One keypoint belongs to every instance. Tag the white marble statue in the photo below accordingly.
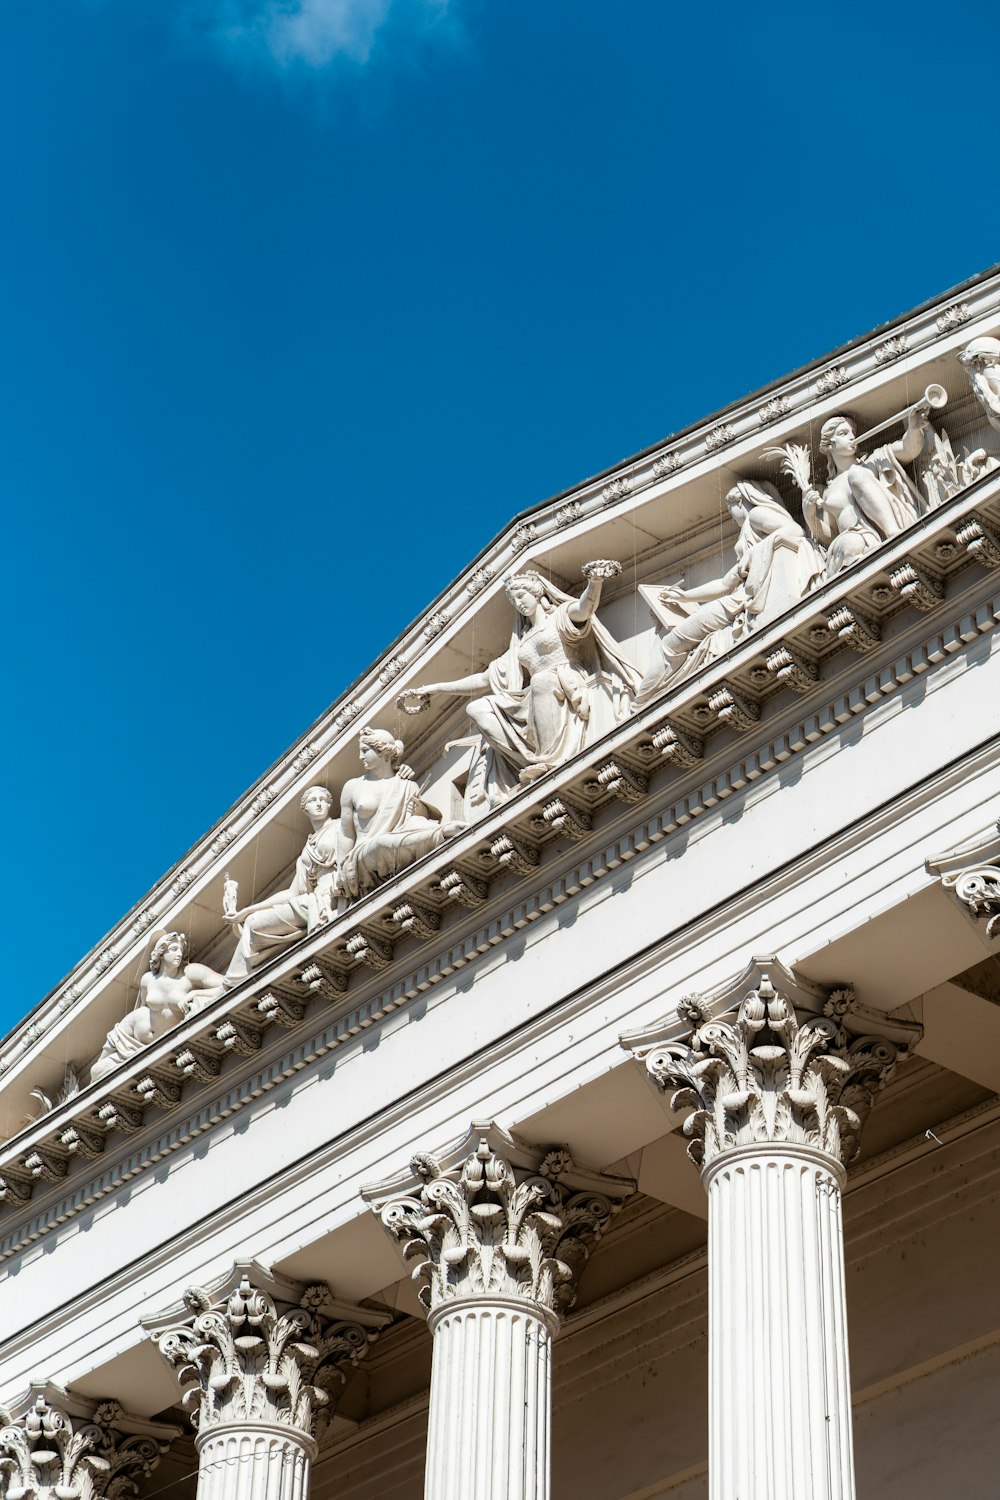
(981, 361)
(170, 989)
(776, 565)
(283, 916)
(384, 824)
(865, 500)
(562, 683)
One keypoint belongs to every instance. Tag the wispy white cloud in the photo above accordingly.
(315, 33)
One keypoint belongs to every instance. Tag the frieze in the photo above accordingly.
(413, 986)
(917, 334)
(124, 1111)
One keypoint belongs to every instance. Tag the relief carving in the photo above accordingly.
(77, 1450)
(562, 683)
(506, 1221)
(170, 989)
(981, 361)
(384, 824)
(247, 1359)
(776, 565)
(279, 919)
(865, 500)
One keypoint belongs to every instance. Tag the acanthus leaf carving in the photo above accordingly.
(855, 629)
(832, 379)
(792, 669)
(978, 888)
(45, 1165)
(622, 781)
(618, 489)
(892, 349)
(468, 890)
(237, 1036)
(565, 817)
(734, 708)
(364, 947)
(248, 1359)
(765, 1077)
(72, 1450)
(719, 437)
(771, 411)
(78, 1140)
(155, 1089)
(15, 1186)
(198, 1063)
(323, 979)
(120, 1114)
(917, 587)
(415, 920)
(980, 540)
(499, 1224)
(279, 1010)
(674, 745)
(514, 853)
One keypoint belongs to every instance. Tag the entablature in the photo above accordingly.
(723, 728)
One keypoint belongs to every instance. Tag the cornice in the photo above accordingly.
(175, 1072)
(727, 436)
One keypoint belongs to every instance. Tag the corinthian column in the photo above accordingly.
(261, 1368)
(498, 1233)
(778, 1100)
(54, 1444)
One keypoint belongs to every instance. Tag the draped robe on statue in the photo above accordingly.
(264, 932)
(398, 832)
(578, 670)
(776, 565)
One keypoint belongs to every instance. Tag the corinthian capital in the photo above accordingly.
(795, 1064)
(55, 1443)
(498, 1219)
(264, 1350)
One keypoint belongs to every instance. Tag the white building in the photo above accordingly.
(738, 842)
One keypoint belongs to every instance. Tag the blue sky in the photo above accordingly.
(303, 300)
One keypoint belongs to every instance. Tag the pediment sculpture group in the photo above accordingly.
(563, 682)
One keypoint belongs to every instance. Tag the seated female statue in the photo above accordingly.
(384, 824)
(288, 914)
(170, 990)
(562, 683)
(776, 564)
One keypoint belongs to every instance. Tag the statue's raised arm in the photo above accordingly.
(562, 682)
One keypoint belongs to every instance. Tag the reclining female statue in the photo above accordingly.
(278, 919)
(170, 989)
(776, 565)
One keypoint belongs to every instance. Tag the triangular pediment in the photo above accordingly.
(662, 517)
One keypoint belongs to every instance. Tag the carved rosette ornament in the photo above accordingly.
(73, 1450)
(498, 1234)
(779, 1076)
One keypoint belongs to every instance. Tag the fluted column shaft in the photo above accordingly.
(262, 1362)
(779, 1385)
(490, 1403)
(499, 1234)
(778, 1077)
(254, 1461)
